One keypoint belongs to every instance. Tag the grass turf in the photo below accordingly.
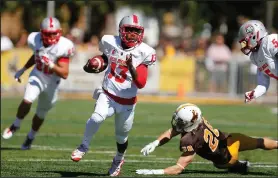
(64, 126)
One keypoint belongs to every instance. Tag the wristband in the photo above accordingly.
(51, 65)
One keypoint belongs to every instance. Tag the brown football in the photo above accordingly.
(95, 65)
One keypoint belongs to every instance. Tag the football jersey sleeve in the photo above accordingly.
(186, 145)
(101, 44)
(69, 49)
(31, 40)
(273, 47)
(150, 59)
(263, 84)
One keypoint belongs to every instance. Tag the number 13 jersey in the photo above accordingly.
(117, 80)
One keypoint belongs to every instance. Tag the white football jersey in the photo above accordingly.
(64, 48)
(266, 59)
(117, 79)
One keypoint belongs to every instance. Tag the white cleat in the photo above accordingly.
(116, 166)
(8, 132)
(77, 155)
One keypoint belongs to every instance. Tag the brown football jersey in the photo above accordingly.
(207, 142)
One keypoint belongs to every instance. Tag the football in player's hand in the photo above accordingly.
(95, 65)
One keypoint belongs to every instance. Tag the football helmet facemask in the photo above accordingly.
(186, 118)
(250, 35)
(50, 31)
(131, 31)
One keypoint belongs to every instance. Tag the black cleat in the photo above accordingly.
(27, 144)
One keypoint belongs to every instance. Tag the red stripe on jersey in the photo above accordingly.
(64, 59)
(51, 22)
(135, 19)
(122, 101)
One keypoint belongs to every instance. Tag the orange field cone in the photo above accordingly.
(181, 91)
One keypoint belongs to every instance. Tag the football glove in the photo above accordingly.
(249, 96)
(150, 171)
(149, 148)
(46, 61)
(18, 74)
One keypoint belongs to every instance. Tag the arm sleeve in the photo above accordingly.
(273, 47)
(263, 84)
(31, 40)
(101, 44)
(150, 59)
(187, 146)
(70, 50)
(142, 71)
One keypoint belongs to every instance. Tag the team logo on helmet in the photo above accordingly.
(194, 117)
(249, 29)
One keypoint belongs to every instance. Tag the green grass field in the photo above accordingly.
(63, 130)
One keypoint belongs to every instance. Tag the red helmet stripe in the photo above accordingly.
(135, 19)
(258, 35)
(51, 22)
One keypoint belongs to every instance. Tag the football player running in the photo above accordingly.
(199, 137)
(128, 59)
(263, 51)
(51, 58)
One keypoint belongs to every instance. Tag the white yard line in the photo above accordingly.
(50, 148)
(155, 159)
(81, 135)
(262, 165)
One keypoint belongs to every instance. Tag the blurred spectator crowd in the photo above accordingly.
(171, 39)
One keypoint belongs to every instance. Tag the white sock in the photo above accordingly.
(32, 134)
(119, 156)
(91, 128)
(17, 122)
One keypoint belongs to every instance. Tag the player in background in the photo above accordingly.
(199, 137)
(51, 58)
(263, 51)
(128, 60)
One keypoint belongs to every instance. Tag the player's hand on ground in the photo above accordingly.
(18, 74)
(149, 148)
(149, 171)
(249, 96)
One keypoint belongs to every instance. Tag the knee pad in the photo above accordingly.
(43, 110)
(121, 138)
(97, 118)
(41, 113)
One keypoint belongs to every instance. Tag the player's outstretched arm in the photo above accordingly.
(183, 161)
(262, 87)
(28, 64)
(161, 140)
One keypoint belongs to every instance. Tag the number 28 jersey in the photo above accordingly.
(63, 49)
(207, 142)
(117, 80)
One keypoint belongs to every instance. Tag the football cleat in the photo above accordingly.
(241, 167)
(78, 153)
(116, 166)
(8, 132)
(27, 144)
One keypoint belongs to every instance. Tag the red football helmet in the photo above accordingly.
(131, 31)
(50, 31)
